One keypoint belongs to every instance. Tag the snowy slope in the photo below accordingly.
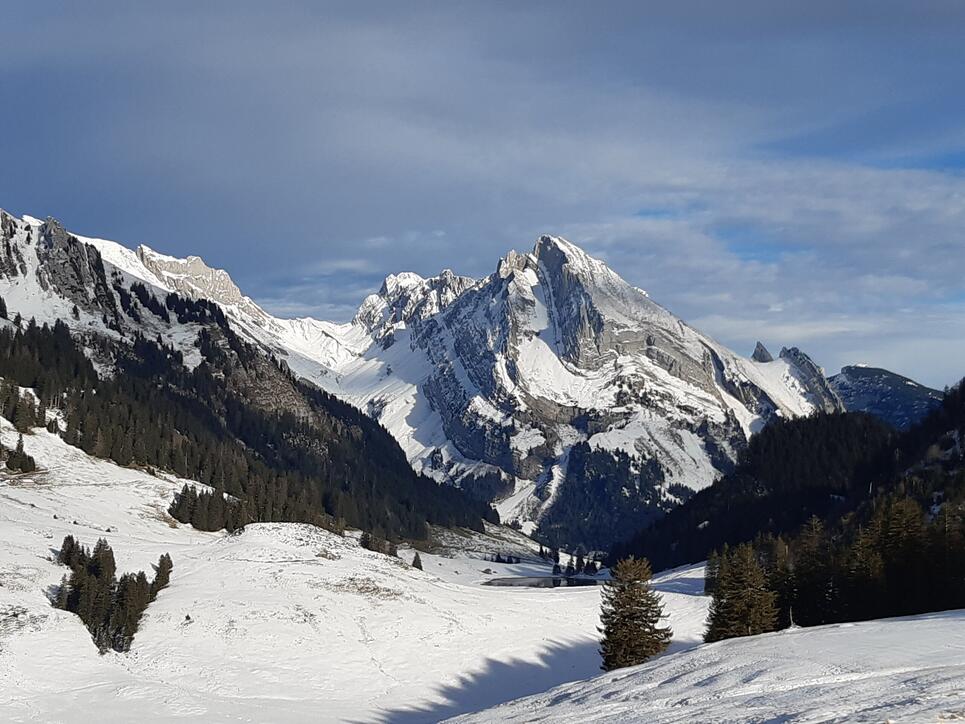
(291, 623)
(489, 384)
(894, 670)
(287, 622)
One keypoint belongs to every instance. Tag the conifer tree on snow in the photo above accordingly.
(162, 574)
(630, 617)
(710, 572)
(417, 561)
(743, 604)
(110, 608)
(19, 460)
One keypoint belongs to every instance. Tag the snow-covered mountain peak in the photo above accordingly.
(813, 377)
(549, 244)
(558, 254)
(393, 283)
(406, 298)
(513, 262)
(761, 354)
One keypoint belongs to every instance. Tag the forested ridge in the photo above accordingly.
(884, 532)
(790, 470)
(327, 464)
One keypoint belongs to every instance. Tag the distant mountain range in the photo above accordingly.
(552, 387)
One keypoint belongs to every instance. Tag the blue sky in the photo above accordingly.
(791, 172)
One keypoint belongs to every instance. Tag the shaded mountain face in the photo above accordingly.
(897, 400)
(552, 387)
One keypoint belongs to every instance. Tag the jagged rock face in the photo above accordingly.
(73, 268)
(12, 262)
(192, 277)
(822, 394)
(60, 265)
(897, 400)
(761, 354)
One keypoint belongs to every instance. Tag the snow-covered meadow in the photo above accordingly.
(287, 622)
(282, 622)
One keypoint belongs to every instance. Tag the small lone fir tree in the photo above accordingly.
(631, 615)
(417, 561)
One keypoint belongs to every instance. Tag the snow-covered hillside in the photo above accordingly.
(287, 622)
(892, 670)
(487, 384)
(281, 622)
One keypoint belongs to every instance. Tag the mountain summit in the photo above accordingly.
(552, 386)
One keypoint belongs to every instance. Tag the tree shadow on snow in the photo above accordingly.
(501, 681)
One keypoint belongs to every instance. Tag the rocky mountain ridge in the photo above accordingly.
(497, 385)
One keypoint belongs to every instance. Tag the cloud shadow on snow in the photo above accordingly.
(501, 681)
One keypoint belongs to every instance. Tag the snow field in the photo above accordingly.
(891, 670)
(283, 622)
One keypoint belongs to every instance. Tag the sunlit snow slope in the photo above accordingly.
(892, 670)
(281, 623)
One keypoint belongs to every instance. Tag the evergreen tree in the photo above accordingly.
(417, 561)
(162, 574)
(110, 608)
(814, 594)
(62, 593)
(742, 604)
(710, 572)
(19, 460)
(630, 617)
